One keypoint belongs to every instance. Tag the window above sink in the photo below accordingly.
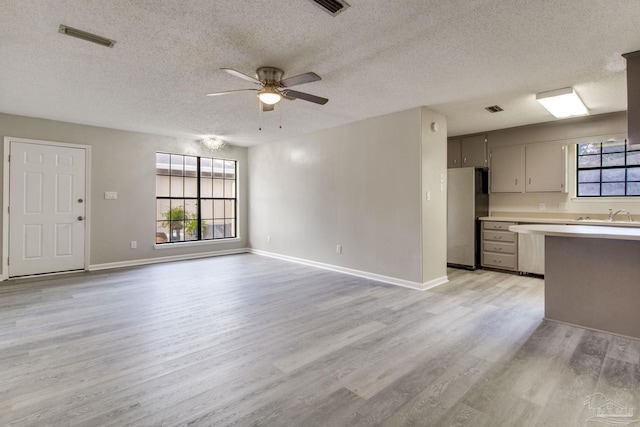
(608, 169)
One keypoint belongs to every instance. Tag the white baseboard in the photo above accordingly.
(359, 273)
(435, 282)
(353, 272)
(145, 261)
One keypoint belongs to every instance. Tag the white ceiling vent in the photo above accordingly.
(74, 32)
(332, 7)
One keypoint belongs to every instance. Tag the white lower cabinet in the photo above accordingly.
(505, 250)
(531, 253)
(499, 246)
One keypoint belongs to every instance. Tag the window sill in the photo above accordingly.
(607, 199)
(176, 245)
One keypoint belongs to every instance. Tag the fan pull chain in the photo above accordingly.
(280, 109)
(260, 110)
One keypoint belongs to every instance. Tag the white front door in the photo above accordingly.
(46, 208)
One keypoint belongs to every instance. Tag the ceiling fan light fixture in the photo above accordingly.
(269, 95)
(562, 103)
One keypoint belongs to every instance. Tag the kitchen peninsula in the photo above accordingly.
(592, 275)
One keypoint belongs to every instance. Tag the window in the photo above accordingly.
(195, 198)
(608, 169)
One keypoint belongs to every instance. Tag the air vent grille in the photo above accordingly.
(494, 109)
(332, 7)
(74, 32)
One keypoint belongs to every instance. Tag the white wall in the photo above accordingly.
(357, 185)
(562, 132)
(125, 162)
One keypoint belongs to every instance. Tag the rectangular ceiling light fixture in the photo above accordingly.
(74, 32)
(562, 103)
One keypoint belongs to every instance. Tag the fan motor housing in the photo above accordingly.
(269, 74)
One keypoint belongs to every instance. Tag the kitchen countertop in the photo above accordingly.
(583, 222)
(591, 276)
(583, 231)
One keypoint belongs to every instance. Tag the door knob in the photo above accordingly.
(80, 218)
(80, 200)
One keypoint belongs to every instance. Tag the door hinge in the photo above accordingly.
(9, 158)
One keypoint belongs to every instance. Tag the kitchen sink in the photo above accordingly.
(588, 220)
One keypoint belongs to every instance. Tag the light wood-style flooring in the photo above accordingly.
(246, 340)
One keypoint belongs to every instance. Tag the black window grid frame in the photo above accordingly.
(601, 168)
(198, 198)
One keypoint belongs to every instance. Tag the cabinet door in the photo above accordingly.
(531, 253)
(473, 151)
(453, 153)
(505, 170)
(545, 168)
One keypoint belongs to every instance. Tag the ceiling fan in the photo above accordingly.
(273, 88)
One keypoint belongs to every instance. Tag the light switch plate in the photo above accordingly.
(110, 195)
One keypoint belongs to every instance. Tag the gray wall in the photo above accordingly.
(125, 162)
(562, 132)
(358, 186)
(362, 186)
(434, 211)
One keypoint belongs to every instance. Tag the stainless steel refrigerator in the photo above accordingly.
(467, 200)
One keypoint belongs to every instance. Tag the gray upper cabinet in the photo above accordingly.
(473, 151)
(505, 170)
(453, 153)
(468, 151)
(545, 167)
(530, 168)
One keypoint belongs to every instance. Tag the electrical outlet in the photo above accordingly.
(542, 206)
(110, 195)
(269, 239)
(428, 195)
(338, 249)
(134, 244)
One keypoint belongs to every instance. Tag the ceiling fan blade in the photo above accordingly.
(306, 97)
(267, 107)
(226, 92)
(299, 79)
(242, 76)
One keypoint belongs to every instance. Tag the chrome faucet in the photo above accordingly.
(612, 215)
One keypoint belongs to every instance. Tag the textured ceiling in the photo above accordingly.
(377, 57)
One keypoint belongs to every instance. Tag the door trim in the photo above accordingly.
(5, 197)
